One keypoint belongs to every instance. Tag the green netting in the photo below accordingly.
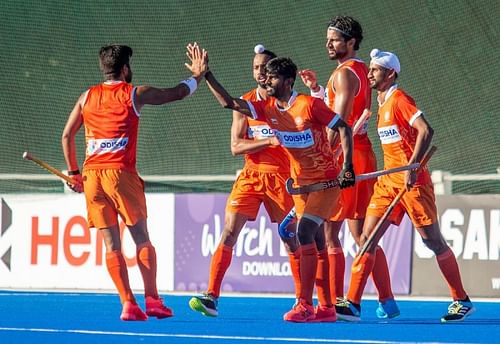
(448, 50)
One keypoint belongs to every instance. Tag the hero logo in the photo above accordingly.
(389, 134)
(301, 139)
(260, 132)
(473, 234)
(101, 146)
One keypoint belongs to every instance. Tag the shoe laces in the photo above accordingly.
(457, 307)
(209, 297)
(343, 303)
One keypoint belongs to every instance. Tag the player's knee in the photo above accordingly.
(229, 238)
(436, 246)
(306, 231)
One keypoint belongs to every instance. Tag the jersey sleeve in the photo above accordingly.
(323, 115)
(407, 109)
(257, 108)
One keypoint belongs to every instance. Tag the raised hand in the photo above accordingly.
(309, 79)
(198, 58)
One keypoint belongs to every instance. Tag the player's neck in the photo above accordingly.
(346, 58)
(285, 100)
(262, 92)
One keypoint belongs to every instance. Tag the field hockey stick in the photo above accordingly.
(377, 231)
(335, 182)
(282, 227)
(43, 164)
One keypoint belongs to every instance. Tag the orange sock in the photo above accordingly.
(295, 267)
(117, 268)
(381, 276)
(218, 267)
(146, 259)
(308, 267)
(323, 279)
(361, 269)
(336, 261)
(449, 268)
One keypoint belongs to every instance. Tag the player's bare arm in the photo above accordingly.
(224, 98)
(422, 144)
(346, 87)
(158, 96)
(239, 143)
(346, 177)
(73, 125)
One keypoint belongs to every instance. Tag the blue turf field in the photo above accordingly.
(38, 317)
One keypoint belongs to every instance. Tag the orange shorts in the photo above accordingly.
(113, 192)
(419, 203)
(355, 200)
(318, 203)
(253, 187)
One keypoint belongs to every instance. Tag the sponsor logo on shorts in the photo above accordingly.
(101, 146)
(300, 139)
(389, 134)
(260, 132)
(233, 202)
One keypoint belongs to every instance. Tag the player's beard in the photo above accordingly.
(271, 91)
(337, 55)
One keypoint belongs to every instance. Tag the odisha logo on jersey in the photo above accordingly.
(387, 132)
(302, 137)
(101, 146)
(260, 131)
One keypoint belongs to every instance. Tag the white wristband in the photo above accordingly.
(319, 94)
(191, 83)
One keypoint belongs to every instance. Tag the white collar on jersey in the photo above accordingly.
(290, 101)
(389, 93)
(113, 82)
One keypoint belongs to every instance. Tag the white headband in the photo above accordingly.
(338, 30)
(385, 59)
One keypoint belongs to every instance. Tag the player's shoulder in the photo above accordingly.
(401, 95)
(250, 95)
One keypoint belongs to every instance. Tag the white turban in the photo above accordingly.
(385, 59)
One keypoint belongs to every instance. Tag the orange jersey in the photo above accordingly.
(301, 130)
(394, 124)
(362, 99)
(271, 159)
(111, 126)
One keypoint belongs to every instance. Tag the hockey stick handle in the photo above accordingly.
(334, 182)
(282, 227)
(51, 169)
(425, 159)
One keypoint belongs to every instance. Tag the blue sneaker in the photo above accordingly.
(387, 310)
(205, 304)
(458, 311)
(348, 311)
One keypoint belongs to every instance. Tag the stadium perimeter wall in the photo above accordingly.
(45, 243)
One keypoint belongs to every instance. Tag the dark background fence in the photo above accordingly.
(448, 51)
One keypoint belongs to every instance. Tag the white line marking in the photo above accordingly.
(194, 336)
